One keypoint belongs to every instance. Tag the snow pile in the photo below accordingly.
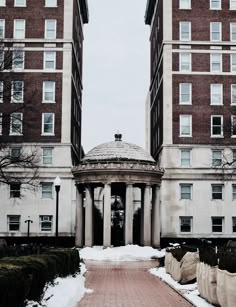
(189, 291)
(66, 292)
(123, 253)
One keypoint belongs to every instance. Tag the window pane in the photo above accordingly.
(47, 189)
(51, 3)
(47, 156)
(185, 224)
(19, 28)
(48, 125)
(185, 157)
(217, 191)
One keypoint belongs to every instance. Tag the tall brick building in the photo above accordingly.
(46, 76)
(193, 114)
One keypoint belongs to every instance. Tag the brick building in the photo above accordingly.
(46, 79)
(192, 114)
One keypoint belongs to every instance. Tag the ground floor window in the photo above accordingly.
(186, 223)
(13, 222)
(234, 223)
(217, 224)
(45, 222)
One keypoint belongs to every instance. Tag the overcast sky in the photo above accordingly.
(116, 72)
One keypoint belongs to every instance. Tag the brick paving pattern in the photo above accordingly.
(127, 284)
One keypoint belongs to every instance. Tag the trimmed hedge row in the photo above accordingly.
(25, 277)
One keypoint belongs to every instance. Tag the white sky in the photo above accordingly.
(116, 72)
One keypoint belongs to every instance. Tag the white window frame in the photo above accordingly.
(2, 3)
(48, 219)
(222, 191)
(214, 62)
(3, 28)
(13, 99)
(181, 122)
(16, 4)
(217, 225)
(220, 87)
(0, 123)
(185, 4)
(13, 222)
(13, 191)
(44, 156)
(215, 8)
(184, 185)
(44, 92)
(15, 29)
(233, 126)
(46, 29)
(222, 126)
(15, 56)
(181, 94)
(233, 192)
(182, 34)
(233, 97)
(181, 220)
(232, 5)
(45, 191)
(53, 60)
(181, 56)
(53, 124)
(1, 91)
(220, 32)
(233, 62)
(185, 159)
(216, 157)
(232, 33)
(47, 4)
(20, 132)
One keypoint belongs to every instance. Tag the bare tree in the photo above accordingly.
(17, 165)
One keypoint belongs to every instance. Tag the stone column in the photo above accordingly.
(129, 212)
(107, 216)
(88, 217)
(142, 216)
(79, 218)
(156, 219)
(147, 216)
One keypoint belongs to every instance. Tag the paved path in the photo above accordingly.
(127, 284)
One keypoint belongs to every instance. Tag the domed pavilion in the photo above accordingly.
(121, 171)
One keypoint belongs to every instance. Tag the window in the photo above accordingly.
(49, 60)
(48, 123)
(185, 31)
(185, 125)
(185, 4)
(234, 223)
(19, 28)
(233, 31)
(234, 191)
(46, 189)
(185, 90)
(186, 223)
(215, 31)
(16, 124)
(50, 28)
(233, 93)
(215, 4)
(216, 94)
(185, 191)
(0, 123)
(216, 125)
(15, 154)
(234, 158)
(51, 3)
(233, 125)
(47, 156)
(20, 3)
(2, 2)
(49, 91)
(2, 28)
(17, 91)
(14, 190)
(233, 4)
(216, 158)
(217, 224)
(185, 157)
(18, 58)
(13, 222)
(233, 62)
(217, 191)
(216, 62)
(2, 62)
(185, 62)
(45, 222)
(1, 91)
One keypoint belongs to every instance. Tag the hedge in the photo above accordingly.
(24, 277)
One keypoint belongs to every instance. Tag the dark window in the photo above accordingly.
(14, 190)
(217, 224)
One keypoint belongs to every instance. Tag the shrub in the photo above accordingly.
(227, 262)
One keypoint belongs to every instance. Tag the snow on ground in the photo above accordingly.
(65, 292)
(189, 291)
(123, 253)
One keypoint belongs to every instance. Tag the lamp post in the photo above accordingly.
(28, 229)
(57, 184)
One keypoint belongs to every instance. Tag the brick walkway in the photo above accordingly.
(127, 284)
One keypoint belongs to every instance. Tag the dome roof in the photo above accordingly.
(118, 151)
